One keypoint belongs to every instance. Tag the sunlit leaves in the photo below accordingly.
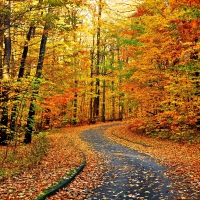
(166, 66)
(140, 11)
(130, 42)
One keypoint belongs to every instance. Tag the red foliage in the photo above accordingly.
(140, 11)
(187, 29)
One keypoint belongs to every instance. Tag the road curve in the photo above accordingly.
(133, 175)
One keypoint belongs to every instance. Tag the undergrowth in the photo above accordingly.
(17, 157)
(182, 133)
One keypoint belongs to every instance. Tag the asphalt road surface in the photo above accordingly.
(133, 175)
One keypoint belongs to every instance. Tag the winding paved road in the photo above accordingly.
(134, 175)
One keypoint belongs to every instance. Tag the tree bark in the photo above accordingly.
(20, 75)
(97, 97)
(5, 73)
(75, 104)
(113, 101)
(103, 118)
(31, 114)
(91, 117)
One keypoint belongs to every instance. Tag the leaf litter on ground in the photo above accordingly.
(183, 162)
(63, 157)
(92, 175)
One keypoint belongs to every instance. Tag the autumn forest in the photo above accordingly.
(69, 63)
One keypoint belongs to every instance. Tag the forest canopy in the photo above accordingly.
(74, 62)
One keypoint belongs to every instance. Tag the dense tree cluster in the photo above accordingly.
(68, 62)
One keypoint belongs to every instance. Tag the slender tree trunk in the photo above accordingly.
(121, 103)
(113, 101)
(3, 136)
(103, 108)
(103, 119)
(31, 114)
(1, 55)
(25, 51)
(2, 16)
(112, 87)
(75, 104)
(121, 108)
(91, 117)
(5, 75)
(4, 117)
(167, 3)
(198, 95)
(20, 75)
(195, 56)
(7, 49)
(97, 98)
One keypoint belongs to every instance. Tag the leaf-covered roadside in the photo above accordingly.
(92, 175)
(62, 158)
(183, 160)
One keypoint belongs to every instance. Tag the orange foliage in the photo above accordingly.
(162, 82)
(140, 11)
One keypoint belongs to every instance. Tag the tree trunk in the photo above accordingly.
(121, 103)
(97, 97)
(113, 102)
(91, 117)
(5, 74)
(20, 75)
(103, 119)
(75, 103)
(74, 120)
(121, 108)
(194, 56)
(25, 51)
(112, 87)
(4, 118)
(31, 114)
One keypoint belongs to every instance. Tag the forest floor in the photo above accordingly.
(183, 161)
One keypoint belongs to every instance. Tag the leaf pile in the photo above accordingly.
(183, 160)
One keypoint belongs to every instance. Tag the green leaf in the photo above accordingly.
(131, 42)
